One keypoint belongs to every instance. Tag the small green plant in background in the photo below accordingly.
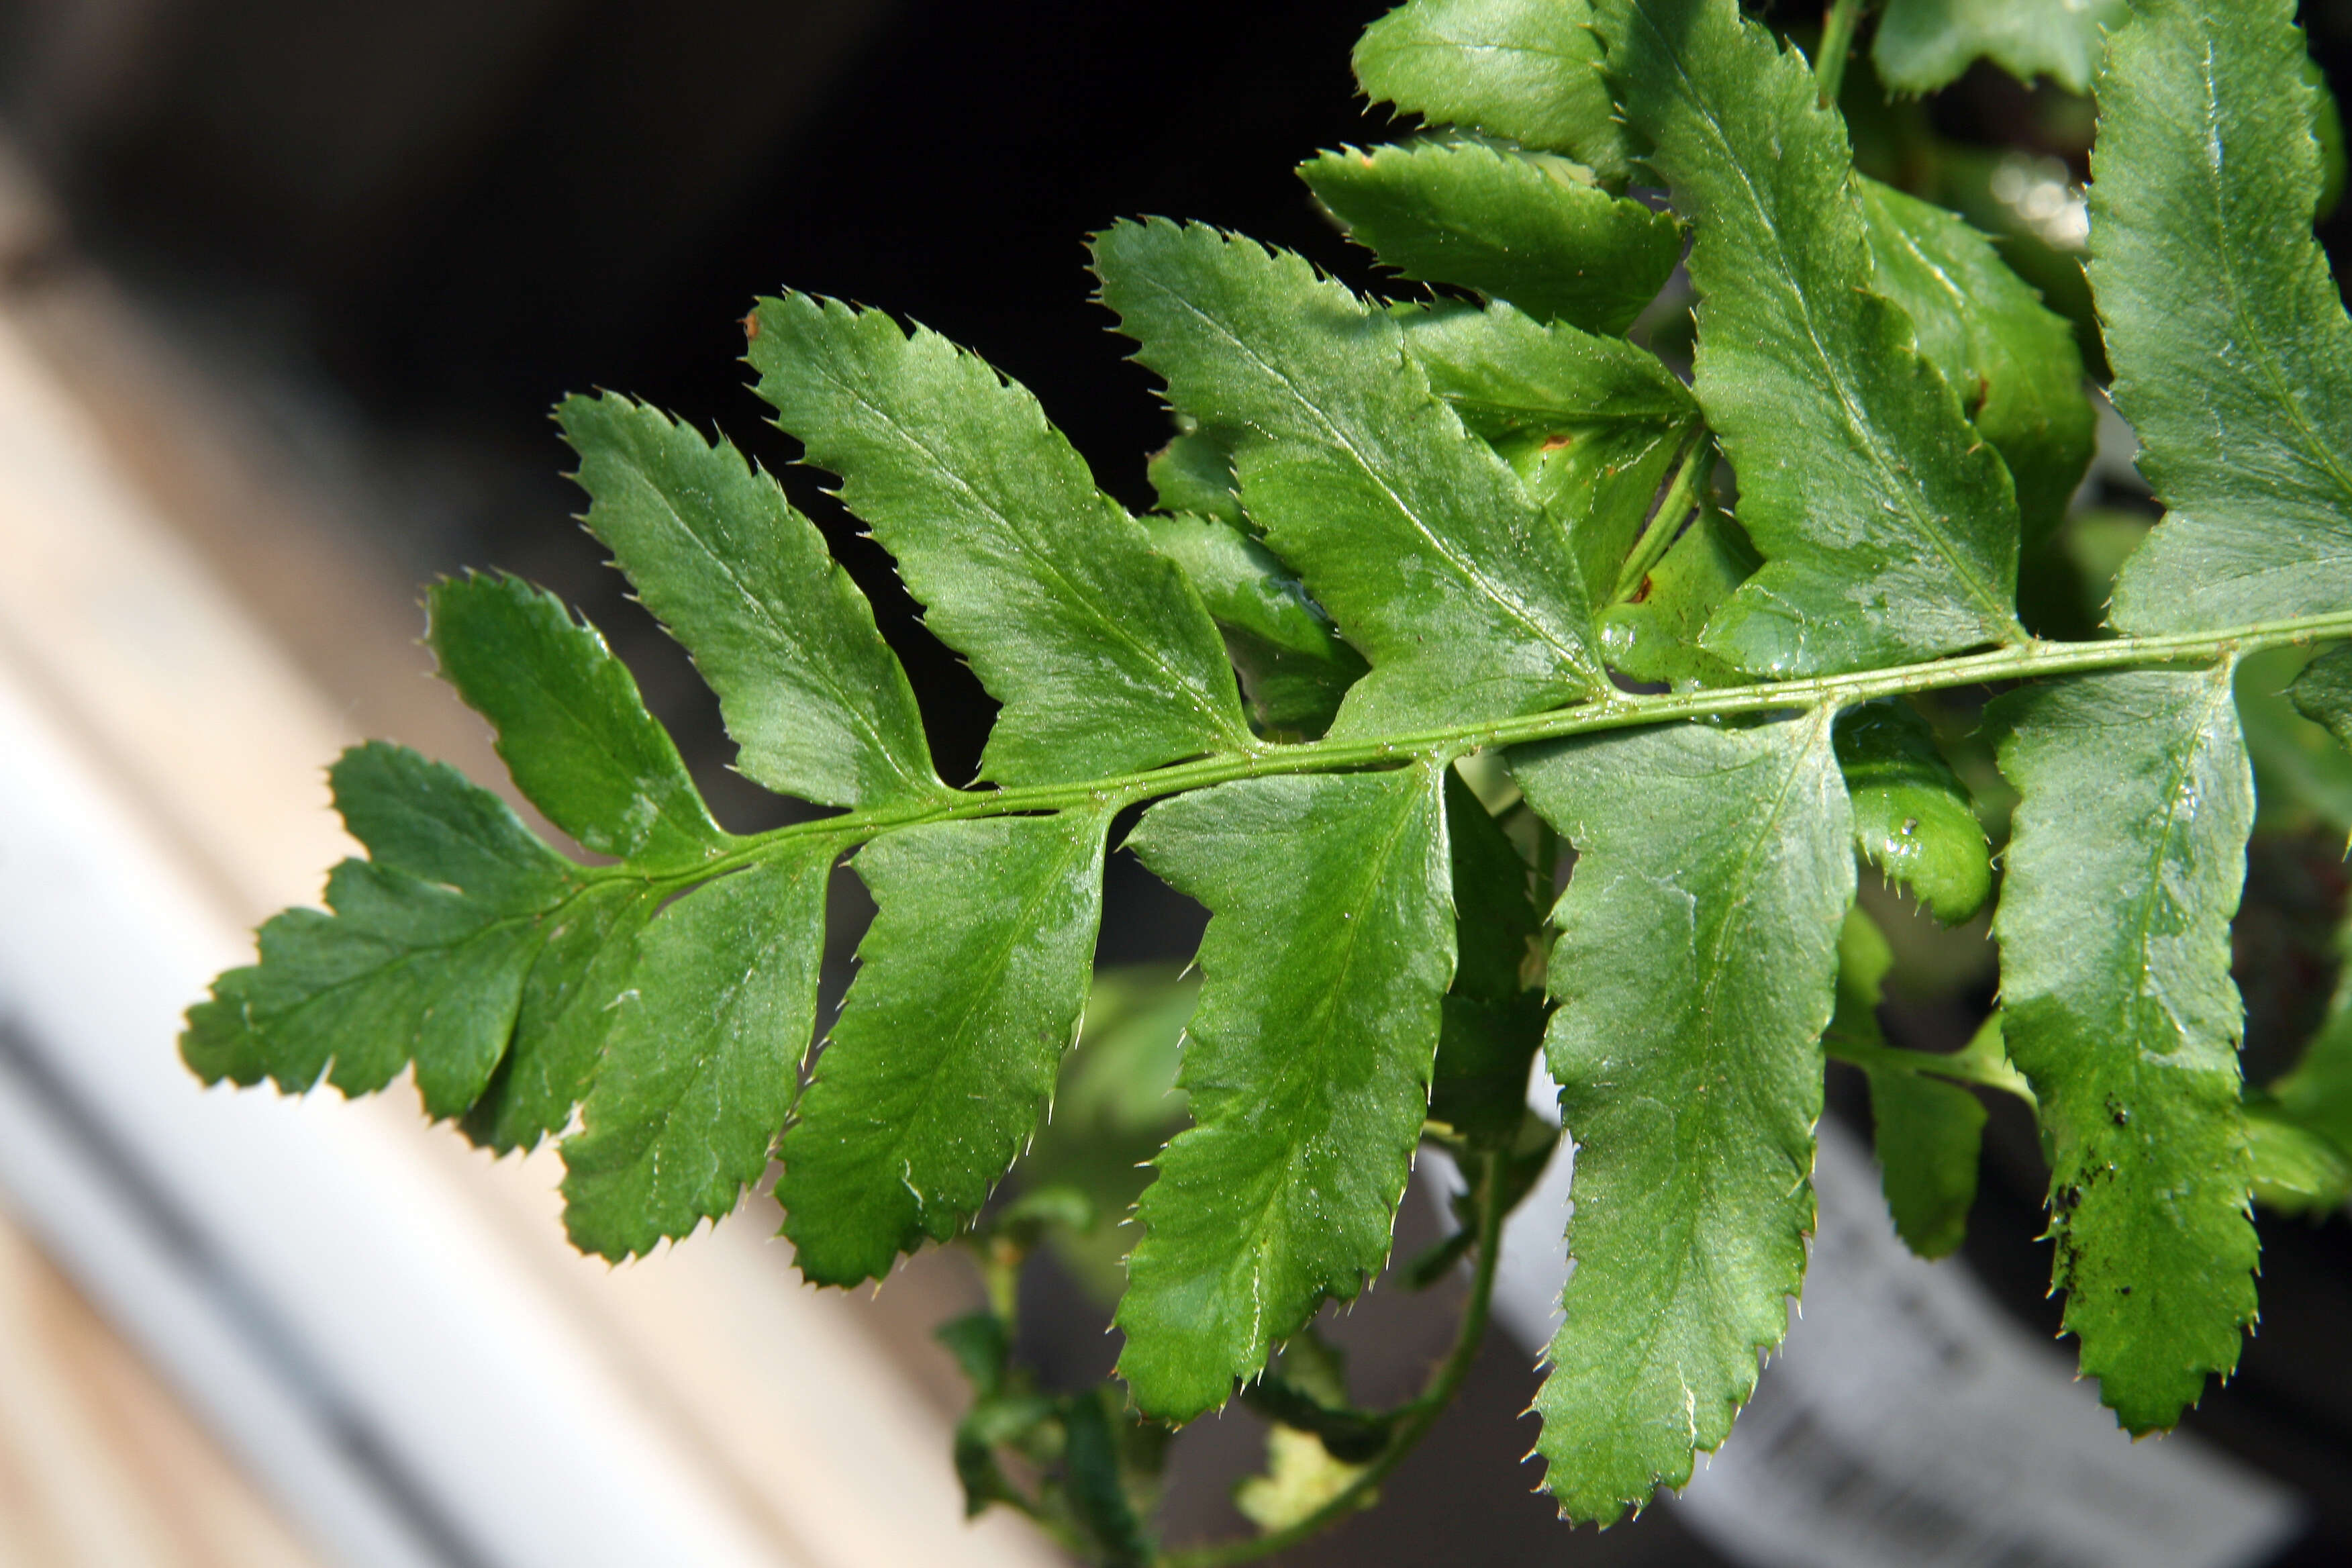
(1446, 606)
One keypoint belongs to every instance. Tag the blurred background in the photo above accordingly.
(287, 289)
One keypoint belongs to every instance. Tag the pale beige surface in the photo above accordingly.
(149, 635)
(100, 1465)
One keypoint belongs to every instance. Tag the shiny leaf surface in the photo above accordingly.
(970, 984)
(1525, 70)
(1104, 658)
(702, 1062)
(2231, 352)
(1694, 969)
(1510, 225)
(2123, 874)
(1329, 946)
(1889, 531)
(1912, 814)
(810, 692)
(1411, 533)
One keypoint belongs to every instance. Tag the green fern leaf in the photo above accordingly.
(427, 820)
(1494, 917)
(2012, 361)
(1694, 969)
(1923, 44)
(1103, 655)
(1398, 534)
(1655, 634)
(423, 960)
(1308, 1064)
(2123, 875)
(459, 895)
(1293, 669)
(1889, 531)
(570, 725)
(2292, 1169)
(1413, 534)
(2300, 1128)
(2231, 352)
(812, 696)
(1912, 814)
(1097, 1492)
(702, 1063)
(1591, 424)
(1525, 70)
(564, 1017)
(1929, 1136)
(2302, 773)
(973, 979)
(1492, 1022)
(2323, 693)
(1195, 473)
(1516, 226)
(2317, 1095)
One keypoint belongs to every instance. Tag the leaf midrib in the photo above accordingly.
(1552, 418)
(1614, 711)
(1963, 307)
(1451, 224)
(1443, 44)
(2178, 818)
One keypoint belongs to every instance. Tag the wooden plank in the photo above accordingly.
(100, 1466)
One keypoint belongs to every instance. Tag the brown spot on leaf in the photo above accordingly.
(752, 325)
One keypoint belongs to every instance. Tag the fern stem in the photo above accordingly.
(1651, 548)
(1618, 710)
(1959, 1067)
(1418, 1417)
(1837, 43)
